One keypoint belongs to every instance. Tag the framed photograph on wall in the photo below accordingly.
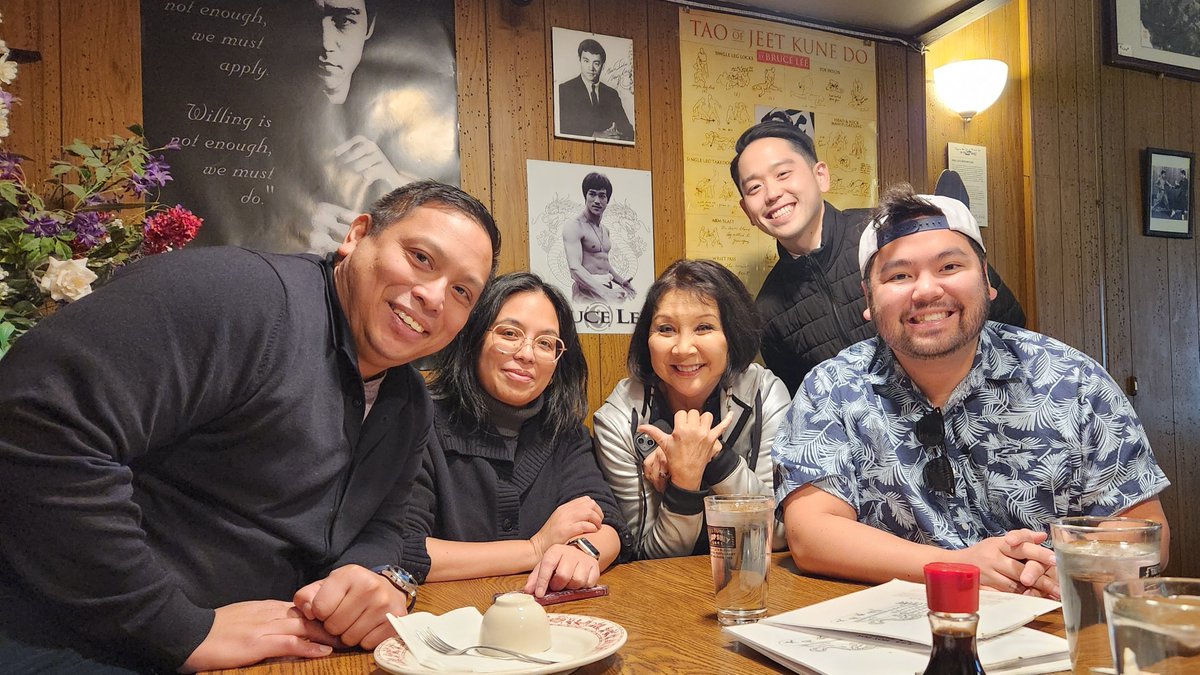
(1162, 36)
(1168, 193)
(593, 87)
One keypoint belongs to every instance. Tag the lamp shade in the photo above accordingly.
(969, 87)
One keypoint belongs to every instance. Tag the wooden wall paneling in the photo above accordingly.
(1029, 252)
(517, 89)
(1047, 241)
(35, 121)
(101, 84)
(666, 161)
(1087, 73)
(918, 102)
(1149, 278)
(474, 140)
(1071, 282)
(628, 18)
(1187, 412)
(891, 74)
(1003, 140)
(1116, 214)
(1184, 329)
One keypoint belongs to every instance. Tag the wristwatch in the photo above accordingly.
(401, 579)
(586, 546)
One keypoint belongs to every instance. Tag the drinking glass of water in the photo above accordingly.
(739, 541)
(1154, 625)
(1092, 551)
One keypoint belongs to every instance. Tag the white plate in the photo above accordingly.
(587, 638)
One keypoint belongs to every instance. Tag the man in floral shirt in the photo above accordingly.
(949, 437)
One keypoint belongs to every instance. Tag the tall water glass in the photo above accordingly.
(1092, 551)
(1154, 625)
(739, 542)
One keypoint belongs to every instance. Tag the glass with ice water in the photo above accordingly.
(1154, 625)
(1092, 551)
(739, 542)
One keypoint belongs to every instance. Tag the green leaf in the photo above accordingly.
(80, 149)
(136, 129)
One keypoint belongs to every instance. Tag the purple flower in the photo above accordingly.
(6, 99)
(89, 229)
(155, 174)
(42, 226)
(10, 165)
(173, 144)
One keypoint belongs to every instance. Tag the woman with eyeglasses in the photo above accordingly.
(510, 483)
(695, 417)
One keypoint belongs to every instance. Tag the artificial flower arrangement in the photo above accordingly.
(95, 213)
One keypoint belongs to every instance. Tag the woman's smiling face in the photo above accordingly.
(517, 379)
(688, 350)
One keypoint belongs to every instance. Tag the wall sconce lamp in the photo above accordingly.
(969, 87)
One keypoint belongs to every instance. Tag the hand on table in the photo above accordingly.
(576, 518)
(352, 604)
(563, 567)
(248, 632)
(692, 443)
(1015, 563)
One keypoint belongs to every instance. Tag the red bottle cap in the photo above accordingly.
(952, 588)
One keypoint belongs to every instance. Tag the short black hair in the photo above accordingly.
(705, 279)
(597, 181)
(592, 47)
(771, 129)
(898, 204)
(398, 203)
(455, 376)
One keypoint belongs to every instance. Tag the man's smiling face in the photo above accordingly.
(781, 193)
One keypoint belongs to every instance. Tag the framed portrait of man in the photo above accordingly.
(591, 233)
(593, 87)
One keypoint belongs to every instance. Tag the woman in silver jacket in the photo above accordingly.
(695, 417)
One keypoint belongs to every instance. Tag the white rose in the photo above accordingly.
(8, 71)
(67, 279)
(5, 289)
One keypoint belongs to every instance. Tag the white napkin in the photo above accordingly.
(459, 627)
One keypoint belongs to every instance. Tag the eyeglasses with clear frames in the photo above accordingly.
(510, 340)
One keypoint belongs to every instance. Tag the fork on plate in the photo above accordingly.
(439, 645)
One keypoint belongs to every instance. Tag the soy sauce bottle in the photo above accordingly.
(952, 592)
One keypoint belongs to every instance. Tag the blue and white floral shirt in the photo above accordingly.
(1035, 431)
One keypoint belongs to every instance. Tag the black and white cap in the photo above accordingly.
(955, 216)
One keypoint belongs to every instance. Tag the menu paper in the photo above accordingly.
(1023, 651)
(885, 629)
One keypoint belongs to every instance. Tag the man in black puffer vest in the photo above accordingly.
(812, 302)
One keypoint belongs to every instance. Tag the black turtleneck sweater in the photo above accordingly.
(500, 483)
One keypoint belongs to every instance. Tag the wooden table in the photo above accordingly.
(665, 605)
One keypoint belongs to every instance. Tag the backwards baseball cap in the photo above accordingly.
(955, 216)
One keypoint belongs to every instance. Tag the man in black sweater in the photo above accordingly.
(206, 462)
(811, 302)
